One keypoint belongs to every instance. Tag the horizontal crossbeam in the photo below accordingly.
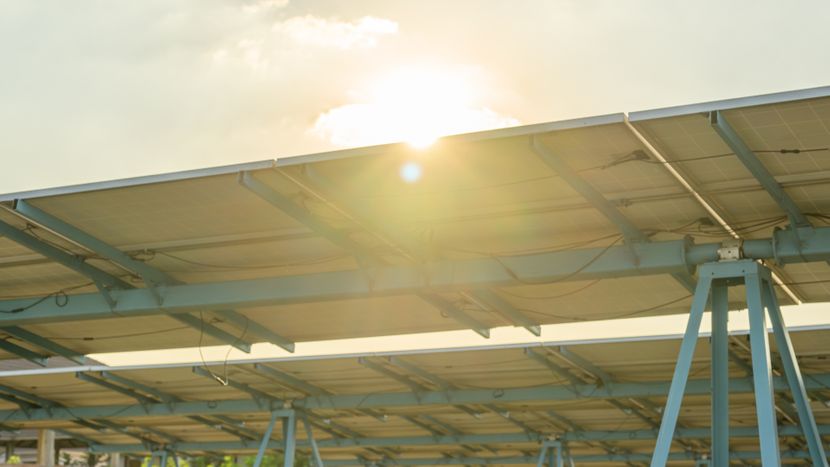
(456, 439)
(407, 399)
(809, 244)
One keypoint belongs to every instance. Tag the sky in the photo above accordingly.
(98, 90)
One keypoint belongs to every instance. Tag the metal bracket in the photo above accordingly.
(731, 250)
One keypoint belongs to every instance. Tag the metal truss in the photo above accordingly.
(807, 244)
(714, 280)
(816, 382)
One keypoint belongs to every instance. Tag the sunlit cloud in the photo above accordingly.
(322, 32)
(257, 6)
(413, 105)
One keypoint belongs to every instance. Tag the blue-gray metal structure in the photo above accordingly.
(322, 246)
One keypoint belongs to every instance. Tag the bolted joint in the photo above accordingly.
(731, 250)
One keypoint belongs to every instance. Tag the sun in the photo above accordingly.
(416, 105)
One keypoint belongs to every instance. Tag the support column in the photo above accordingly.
(289, 438)
(794, 379)
(115, 459)
(9, 450)
(263, 445)
(720, 374)
(552, 450)
(46, 448)
(317, 460)
(762, 373)
(681, 372)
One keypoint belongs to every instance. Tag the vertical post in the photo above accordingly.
(9, 451)
(559, 455)
(115, 459)
(762, 373)
(265, 438)
(315, 452)
(567, 453)
(289, 430)
(540, 462)
(720, 374)
(163, 459)
(794, 379)
(681, 372)
(46, 448)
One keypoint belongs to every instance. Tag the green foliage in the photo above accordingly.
(270, 460)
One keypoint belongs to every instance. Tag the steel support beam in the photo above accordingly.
(337, 237)
(580, 436)
(251, 327)
(762, 372)
(756, 167)
(266, 437)
(452, 311)
(794, 378)
(760, 293)
(651, 258)
(153, 278)
(488, 299)
(144, 394)
(316, 458)
(24, 353)
(76, 263)
(327, 191)
(671, 412)
(45, 344)
(720, 375)
(289, 380)
(630, 231)
(150, 275)
(198, 323)
(816, 381)
(524, 460)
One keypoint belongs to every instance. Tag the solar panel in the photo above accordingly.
(337, 245)
(480, 403)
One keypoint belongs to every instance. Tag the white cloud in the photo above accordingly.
(412, 105)
(313, 30)
(256, 6)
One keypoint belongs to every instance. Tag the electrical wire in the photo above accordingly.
(223, 380)
(551, 297)
(578, 270)
(60, 296)
(117, 336)
(235, 267)
(626, 314)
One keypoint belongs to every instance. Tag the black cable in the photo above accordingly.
(640, 156)
(60, 296)
(221, 380)
(117, 336)
(626, 314)
(563, 278)
(552, 297)
(242, 268)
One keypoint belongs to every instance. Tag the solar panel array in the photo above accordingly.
(508, 399)
(309, 248)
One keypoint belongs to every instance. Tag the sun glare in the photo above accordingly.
(414, 105)
(411, 172)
